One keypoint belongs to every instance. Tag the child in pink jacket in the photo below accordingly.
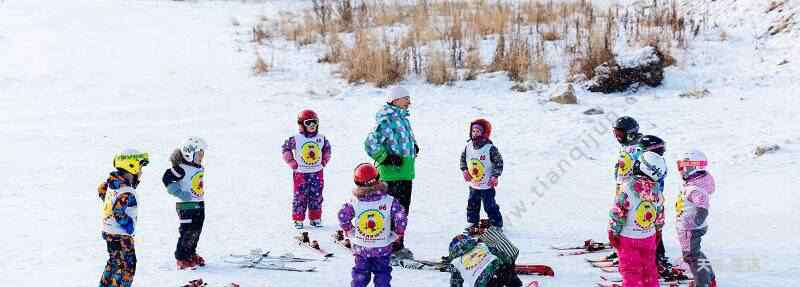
(691, 209)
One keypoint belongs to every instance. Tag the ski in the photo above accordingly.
(604, 283)
(258, 255)
(612, 269)
(199, 283)
(531, 269)
(604, 264)
(277, 266)
(419, 265)
(600, 258)
(589, 245)
(581, 252)
(304, 240)
(340, 240)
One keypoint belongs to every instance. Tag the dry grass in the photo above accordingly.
(437, 69)
(473, 63)
(373, 61)
(521, 32)
(551, 36)
(335, 52)
(261, 67)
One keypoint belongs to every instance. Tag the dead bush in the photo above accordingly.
(437, 69)
(373, 61)
(335, 51)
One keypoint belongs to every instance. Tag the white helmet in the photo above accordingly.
(651, 165)
(191, 146)
(691, 162)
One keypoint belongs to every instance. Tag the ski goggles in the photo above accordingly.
(311, 123)
(654, 147)
(685, 163)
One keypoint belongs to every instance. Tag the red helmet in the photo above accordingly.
(487, 127)
(307, 115)
(365, 174)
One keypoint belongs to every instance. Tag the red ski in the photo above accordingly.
(541, 270)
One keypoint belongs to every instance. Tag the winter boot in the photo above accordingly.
(316, 223)
(184, 264)
(298, 224)
(199, 261)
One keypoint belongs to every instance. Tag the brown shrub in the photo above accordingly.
(373, 61)
(437, 69)
(335, 49)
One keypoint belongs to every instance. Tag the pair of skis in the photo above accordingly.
(259, 259)
(199, 283)
(610, 265)
(589, 246)
(407, 263)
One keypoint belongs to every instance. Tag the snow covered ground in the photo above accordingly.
(82, 79)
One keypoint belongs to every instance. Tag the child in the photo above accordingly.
(483, 262)
(635, 217)
(307, 153)
(380, 221)
(692, 210)
(118, 194)
(482, 164)
(184, 180)
(657, 145)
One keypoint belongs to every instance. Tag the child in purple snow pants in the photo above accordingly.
(307, 196)
(372, 220)
(307, 153)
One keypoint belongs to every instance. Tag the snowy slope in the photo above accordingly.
(81, 80)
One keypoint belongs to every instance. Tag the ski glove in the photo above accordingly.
(613, 239)
(393, 159)
(467, 176)
(493, 181)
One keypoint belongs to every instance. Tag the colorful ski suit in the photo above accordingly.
(482, 160)
(379, 221)
(636, 215)
(119, 212)
(486, 262)
(307, 154)
(691, 209)
(184, 180)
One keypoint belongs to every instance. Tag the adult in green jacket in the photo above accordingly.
(392, 145)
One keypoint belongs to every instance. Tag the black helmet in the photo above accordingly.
(653, 143)
(626, 129)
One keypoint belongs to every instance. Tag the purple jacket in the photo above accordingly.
(371, 194)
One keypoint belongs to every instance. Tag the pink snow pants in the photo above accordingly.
(637, 262)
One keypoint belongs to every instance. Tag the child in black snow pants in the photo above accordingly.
(184, 180)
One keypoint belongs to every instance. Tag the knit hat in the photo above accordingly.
(395, 93)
